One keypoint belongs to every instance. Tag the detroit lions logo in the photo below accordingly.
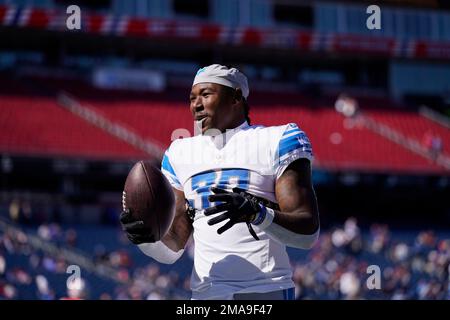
(200, 71)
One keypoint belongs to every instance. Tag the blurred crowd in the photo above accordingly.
(28, 209)
(27, 272)
(346, 263)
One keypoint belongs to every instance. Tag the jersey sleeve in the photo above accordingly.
(293, 145)
(169, 172)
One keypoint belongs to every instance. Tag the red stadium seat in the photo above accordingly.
(38, 125)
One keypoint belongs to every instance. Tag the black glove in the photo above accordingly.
(238, 206)
(135, 229)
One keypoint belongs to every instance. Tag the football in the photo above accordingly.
(149, 196)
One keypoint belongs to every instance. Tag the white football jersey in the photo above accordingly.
(251, 158)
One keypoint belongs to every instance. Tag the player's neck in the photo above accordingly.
(235, 125)
(235, 128)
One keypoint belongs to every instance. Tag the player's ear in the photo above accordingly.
(237, 96)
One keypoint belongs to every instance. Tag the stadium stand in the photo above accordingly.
(339, 142)
(33, 123)
(39, 126)
(413, 125)
(344, 143)
(415, 265)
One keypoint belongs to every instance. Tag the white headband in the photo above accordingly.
(219, 74)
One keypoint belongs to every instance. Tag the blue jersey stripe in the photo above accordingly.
(289, 132)
(289, 140)
(291, 144)
(173, 179)
(292, 139)
(165, 165)
(288, 148)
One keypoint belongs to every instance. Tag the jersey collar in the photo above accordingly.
(220, 140)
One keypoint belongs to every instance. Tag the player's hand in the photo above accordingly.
(237, 206)
(135, 229)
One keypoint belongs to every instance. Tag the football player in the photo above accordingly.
(243, 191)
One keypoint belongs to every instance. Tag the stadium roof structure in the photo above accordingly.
(214, 34)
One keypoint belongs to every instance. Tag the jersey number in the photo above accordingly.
(224, 179)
